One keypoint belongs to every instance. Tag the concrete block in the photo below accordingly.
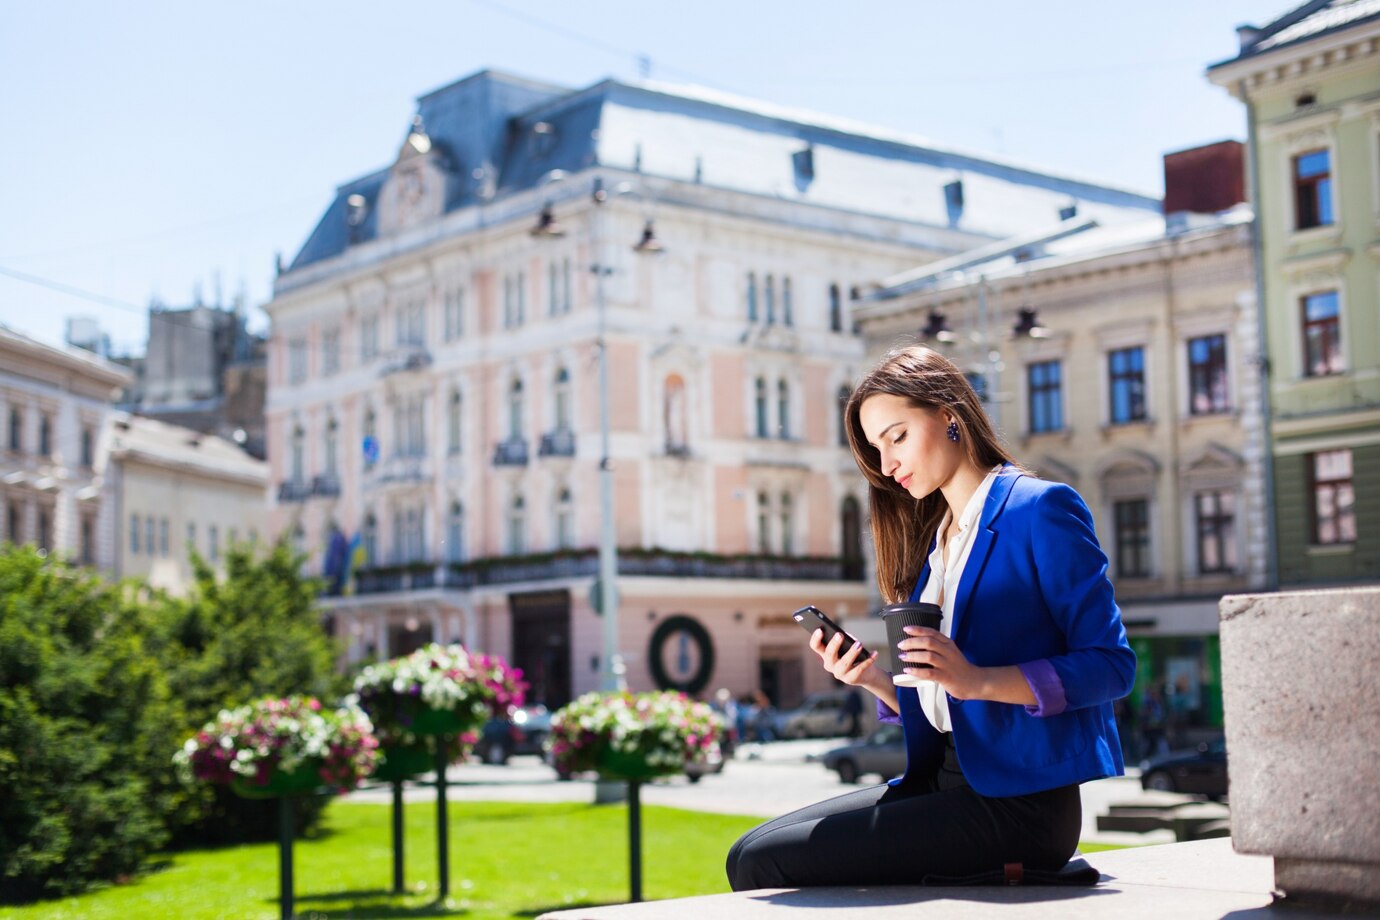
(1301, 692)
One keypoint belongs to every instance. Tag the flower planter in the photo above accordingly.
(622, 765)
(305, 780)
(440, 722)
(401, 761)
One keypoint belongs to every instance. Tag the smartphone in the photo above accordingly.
(812, 618)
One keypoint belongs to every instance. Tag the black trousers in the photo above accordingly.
(885, 835)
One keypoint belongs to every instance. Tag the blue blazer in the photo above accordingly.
(1034, 587)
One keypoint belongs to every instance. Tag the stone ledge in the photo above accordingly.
(1187, 881)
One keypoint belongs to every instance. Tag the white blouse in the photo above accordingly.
(943, 585)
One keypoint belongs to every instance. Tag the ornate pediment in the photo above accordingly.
(415, 190)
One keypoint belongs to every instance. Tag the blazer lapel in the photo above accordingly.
(982, 545)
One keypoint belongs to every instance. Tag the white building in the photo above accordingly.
(178, 490)
(55, 403)
(433, 370)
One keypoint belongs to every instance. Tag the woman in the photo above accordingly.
(1015, 708)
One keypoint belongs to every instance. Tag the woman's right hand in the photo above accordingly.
(851, 668)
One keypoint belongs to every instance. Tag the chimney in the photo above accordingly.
(1205, 180)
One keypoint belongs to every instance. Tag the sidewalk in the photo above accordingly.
(1204, 880)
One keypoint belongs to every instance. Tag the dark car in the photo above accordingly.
(883, 752)
(821, 715)
(521, 733)
(1199, 771)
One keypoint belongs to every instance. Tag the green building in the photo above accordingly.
(1310, 81)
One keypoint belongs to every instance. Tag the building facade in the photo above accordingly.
(434, 410)
(1310, 81)
(179, 491)
(1121, 361)
(55, 405)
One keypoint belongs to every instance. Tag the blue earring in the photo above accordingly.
(953, 432)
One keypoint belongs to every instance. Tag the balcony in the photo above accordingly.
(512, 452)
(405, 359)
(327, 485)
(558, 443)
(399, 469)
(387, 579)
(293, 490)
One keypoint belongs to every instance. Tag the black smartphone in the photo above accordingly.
(812, 618)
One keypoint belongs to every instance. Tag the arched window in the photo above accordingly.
(763, 524)
(769, 290)
(851, 547)
(565, 520)
(517, 526)
(330, 451)
(453, 423)
(844, 393)
(677, 436)
(787, 308)
(369, 540)
(298, 454)
(835, 309)
(561, 400)
(752, 297)
(787, 525)
(515, 410)
(761, 405)
(455, 533)
(783, 409)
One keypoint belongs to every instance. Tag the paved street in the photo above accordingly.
(764, 780)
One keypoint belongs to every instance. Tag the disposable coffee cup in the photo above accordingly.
(897, 617)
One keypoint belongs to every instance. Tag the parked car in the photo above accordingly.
(1201, 770)
(521, 733)
(883, 752)
(822, 715)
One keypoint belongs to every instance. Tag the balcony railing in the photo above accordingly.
(512, 452)
(401, 469)
(412, 576)
(558, 443)
(293, 490)
(327, 485)
(406, 358)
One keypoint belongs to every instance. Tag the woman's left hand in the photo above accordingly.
(949, 668)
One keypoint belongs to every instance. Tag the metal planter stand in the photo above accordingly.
(634, 840)
(285, 828)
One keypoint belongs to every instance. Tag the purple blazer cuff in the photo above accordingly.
(1048, 688)
(886, 714)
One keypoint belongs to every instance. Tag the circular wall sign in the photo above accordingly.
(681, 655)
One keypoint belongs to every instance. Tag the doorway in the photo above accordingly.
(541, 644)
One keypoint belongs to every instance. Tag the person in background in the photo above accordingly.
(1013, 704)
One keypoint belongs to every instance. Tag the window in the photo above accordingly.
(508, 301)
(1132, 520)
(843, 396)
(517, 522)
(565, 286)
(369, 540)
(297, 360)
(761, 405)
(45, 435)
(134, 534)
(12, 523)
(191, 538)
(562, 400)
(213, 542)
(332, 447)
(88, 540)
(1313, 189)
(1126, 378)
(1322, 335)
(411, 325)
(1334, 497)
(521, 298)
(763, 524)
(515, 411)
(1216, 517)
(409, 426)
(455, 533)
(371, 450)
(677, 427)
(783, 410)
(16, 429)
(553, 290)
(453, 423)
(787, 526)
(1044, 379)
(751, 297)
(298, 470)
(150, 528)
(368, 338)
(453, 320)
(232, 538)
(1207, 375)
(787, 307)
(45, 529)
(88, 446)
(978, 381)
(163, 537)
(565, 520)
(330, 352)
(769, 292)
(514, 300)
(835, 309)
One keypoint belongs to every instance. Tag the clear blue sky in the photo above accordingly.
(147, 147)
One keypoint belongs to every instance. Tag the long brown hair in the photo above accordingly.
(902, 527)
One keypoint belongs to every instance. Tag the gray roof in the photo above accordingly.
(1311, 20)
(502, 134)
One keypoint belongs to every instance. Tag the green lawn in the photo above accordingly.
(506, 860)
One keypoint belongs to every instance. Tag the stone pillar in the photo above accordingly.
(1301, 690)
